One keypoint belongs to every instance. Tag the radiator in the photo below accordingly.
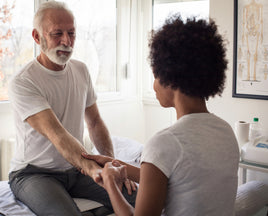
(6, 153)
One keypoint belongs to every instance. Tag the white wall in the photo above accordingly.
(124, 119)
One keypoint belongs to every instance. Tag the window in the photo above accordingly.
(15, 34)
(95, 42)
(161, 9)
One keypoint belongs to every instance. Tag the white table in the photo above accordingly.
(244, 166)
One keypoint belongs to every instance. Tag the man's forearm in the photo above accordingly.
(100, 136)
(98, 131)
(72, 150)
(47, 124)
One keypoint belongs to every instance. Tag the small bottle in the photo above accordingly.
(255, 130)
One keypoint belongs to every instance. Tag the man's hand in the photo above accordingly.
(91, 168)
(99, 159)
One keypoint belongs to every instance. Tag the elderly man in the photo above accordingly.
(51, 96)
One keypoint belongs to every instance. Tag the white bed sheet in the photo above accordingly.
(9, 205)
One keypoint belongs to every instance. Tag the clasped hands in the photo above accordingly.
(112, 170)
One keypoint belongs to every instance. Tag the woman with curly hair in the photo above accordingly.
(189, 168)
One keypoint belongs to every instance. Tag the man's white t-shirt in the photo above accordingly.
(36, 88)
(199, 155)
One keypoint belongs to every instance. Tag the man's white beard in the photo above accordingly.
(59, 59)
(52, 53)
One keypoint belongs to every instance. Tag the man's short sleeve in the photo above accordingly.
(26, 98)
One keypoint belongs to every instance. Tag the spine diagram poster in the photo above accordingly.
(251, 49)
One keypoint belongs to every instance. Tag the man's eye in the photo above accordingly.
(71, 34)
(57, 34)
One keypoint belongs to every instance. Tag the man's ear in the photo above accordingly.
(36, 36)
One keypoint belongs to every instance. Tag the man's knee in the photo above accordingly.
(44, 195)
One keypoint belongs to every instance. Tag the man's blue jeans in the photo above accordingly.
(48, 192)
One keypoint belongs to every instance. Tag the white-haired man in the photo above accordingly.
(51, 97)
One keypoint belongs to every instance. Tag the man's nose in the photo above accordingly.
(66, 39)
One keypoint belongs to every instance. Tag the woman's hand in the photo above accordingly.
(112, 172)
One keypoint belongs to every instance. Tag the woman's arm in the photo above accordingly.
(111, 178)
(151, 194)
(152, 191)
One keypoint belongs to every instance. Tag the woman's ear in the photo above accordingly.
(36, 36)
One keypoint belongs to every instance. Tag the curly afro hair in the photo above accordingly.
(189, 56)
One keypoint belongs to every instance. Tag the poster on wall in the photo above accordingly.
(250, 78)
